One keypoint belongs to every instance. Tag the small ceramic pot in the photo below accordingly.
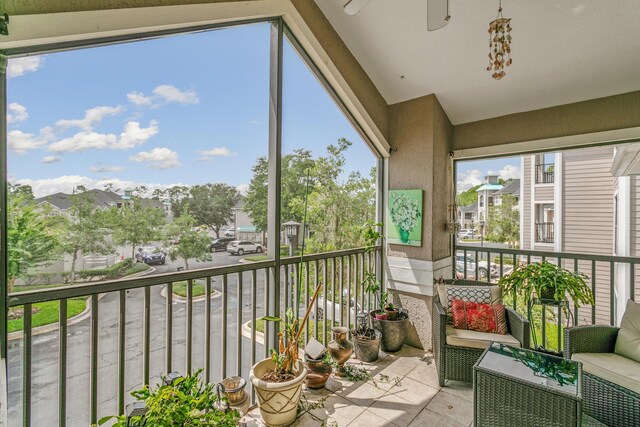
(340, 348)
(392, 313)
(318, 372)
(381, 316)
(234, 390)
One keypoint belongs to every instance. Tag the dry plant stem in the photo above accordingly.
(306, 315)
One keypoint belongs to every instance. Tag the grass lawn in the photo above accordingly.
(312, 328)
(180, 289)
(49, 313)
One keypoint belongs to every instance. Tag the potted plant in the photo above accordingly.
(278, 379)
(183, 401)
(391, 321)
(366, 340)
(548, 283)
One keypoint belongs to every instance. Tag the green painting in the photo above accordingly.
(404, 217)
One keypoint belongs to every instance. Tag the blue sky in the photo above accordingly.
(472, 172)
(186, 109)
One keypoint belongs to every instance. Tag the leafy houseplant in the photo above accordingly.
(278, 379)
(187, 401)
(405, 213)
(548, 283)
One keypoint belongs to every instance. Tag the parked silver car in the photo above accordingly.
(241, 247)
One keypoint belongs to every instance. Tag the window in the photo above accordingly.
(545, 167)
(544, 223)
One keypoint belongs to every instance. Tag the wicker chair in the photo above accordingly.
(455, 362)
(605, 401)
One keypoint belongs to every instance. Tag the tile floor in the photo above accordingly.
(415, 400)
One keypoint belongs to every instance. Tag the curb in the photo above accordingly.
(246, 332)
(182, 300)
(71, 320)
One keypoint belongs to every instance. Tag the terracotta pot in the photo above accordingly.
(278, 402)
(392, 313)
(318, 372)
(340, 348)
(381, 316)
(367, 349)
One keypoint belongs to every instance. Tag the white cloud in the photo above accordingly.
(82, 141)
(163, 94)
(16, 113)
(507, 172)
(170, 93)
(131, 136)
(105, 169)
(66, 184)
(20, 142)
(20, 66)
(158, 158)
(51, 159)
(216, 152)
(243, 189)
(138, 98)
(469, 179)
(254, 122)
(92, 117)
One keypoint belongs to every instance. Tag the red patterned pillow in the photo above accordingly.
(479, 317)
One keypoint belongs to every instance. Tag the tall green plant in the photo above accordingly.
(188, 401)
(547, 280)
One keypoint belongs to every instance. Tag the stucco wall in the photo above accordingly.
(596, 115)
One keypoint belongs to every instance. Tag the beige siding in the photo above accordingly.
(588, 189)
(525, 223)
(544, 193)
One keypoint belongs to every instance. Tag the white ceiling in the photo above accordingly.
(564, 51)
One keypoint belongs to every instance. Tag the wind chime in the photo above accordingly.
(499, 45)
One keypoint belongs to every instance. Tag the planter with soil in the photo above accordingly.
(394, 332)
(278, 395)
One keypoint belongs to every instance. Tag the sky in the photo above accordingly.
(185, 109)
(472, 172)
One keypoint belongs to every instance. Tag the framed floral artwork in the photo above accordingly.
(404, 217)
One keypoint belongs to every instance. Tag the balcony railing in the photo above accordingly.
(136, 330)
(545, 173)
(544, 232)
(603, 273)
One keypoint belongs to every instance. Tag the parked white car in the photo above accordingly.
(483, 268)
(466, 233)
(241, 247)
(334, 309)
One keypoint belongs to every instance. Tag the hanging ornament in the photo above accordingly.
(499, 45)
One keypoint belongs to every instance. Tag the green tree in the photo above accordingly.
(22, 190)
(84, 231)
(212, 204)
(178, 196)
(31, 241)
(188, 243)
(337, 209)
(134, 224)
(504, 222)
(467, 197)
(294, 178)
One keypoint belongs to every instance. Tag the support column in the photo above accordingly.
(274, 188)
(421, 140)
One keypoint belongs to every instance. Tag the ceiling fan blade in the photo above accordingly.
(437, 14)
(354, 6)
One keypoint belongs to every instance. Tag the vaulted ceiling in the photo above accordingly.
(563, 52)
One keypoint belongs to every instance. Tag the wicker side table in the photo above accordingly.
(520, 387)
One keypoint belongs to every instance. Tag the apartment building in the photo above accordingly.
(572, 202)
